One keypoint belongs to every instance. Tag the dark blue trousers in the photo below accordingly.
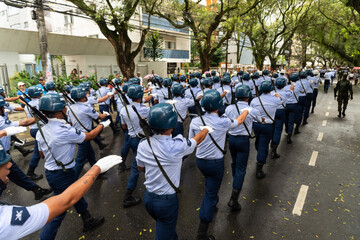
(326, 85)
(178, 129)
(213, 170)
(301, 108)
(85, 152)
(315, 94)
(59, 181)
(239, 148)
(18, 177)
(264, 134)
(280, 118)
(134, 175)
(105, 108)
(309, 97)
(291, 116)
(126, 145)
(35, 158)
(164, 209)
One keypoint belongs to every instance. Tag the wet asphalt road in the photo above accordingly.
(332, 204)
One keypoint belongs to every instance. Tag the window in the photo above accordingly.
(26, 25)
(15, 26)
(13, 11)
(170, 45)
(171, 67)
(68, 19)
(94, 36)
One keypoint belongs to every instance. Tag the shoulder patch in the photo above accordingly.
(7, 121)
(7, 105)
(188, 142)
(94, 111)
(19, 216)
(95, 98)
(78, 132)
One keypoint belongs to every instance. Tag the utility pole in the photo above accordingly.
(44, 51)
(227, 47)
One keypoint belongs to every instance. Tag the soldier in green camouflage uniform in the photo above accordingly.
(344, 89)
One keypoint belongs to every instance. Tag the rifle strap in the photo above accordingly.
(227, 100)
(77, 119)
(263, 107)
(247, 129)
(303, 86)
(279, 95)
(182, 119)
(128, 114)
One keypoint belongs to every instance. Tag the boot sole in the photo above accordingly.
(127, 205)
(101, 222)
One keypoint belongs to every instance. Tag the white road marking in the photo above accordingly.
(330, 102)
(320, 137)
(327, 114)
(313, 158)
(300, 200)
(329, 107)
(324, 123)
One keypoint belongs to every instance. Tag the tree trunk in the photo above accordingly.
(259, 60)
(273, 62)
(205, 61)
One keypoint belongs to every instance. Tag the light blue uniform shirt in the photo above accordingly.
(4, 123)
(317, 81)
(232, 113)
(182, 105)
(162, 93)
(61, 138)
(17, 221)
(294, 97)
(170, 152)
(91, 101)
(84, 113)
(34, 103)
(305, 85)
(217, 86)
(133, 124)
(267, 78)
(271, 104)
(228, 96)
(258, 81)
(285, 94)
(201, 93)
(207, 149)
(101, 93)
(248, 83)
(195, 90)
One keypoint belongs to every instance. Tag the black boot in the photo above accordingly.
(102, 145)
(312, 110)
(233, 202)
(41, 192)
(122, 167)
(339, 116)
(343, 113)
(91, 223)
(23, 151)
(259, 172)
(273, 153)
(115, 130)
(288, 139)
(130, 200)
(202, 232)
(32, 175)
(297, 129)
(304, 121)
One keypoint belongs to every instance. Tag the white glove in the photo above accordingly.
(14, 130)
(248, 109)
(207, 127)
(154, 94)
(7, 111)
(110, 93)
(106, 123)
(153, 87)
(227, 91)
(108, 162)
(107, 114)
(172, 102)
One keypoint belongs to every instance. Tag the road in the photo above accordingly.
(330, 209)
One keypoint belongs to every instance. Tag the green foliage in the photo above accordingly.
(153, 46)
(219, 56)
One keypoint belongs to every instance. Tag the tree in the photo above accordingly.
(113, 19)
(153, 46)
(204, 22)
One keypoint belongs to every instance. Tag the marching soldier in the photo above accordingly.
(344, 90)
(210, 154)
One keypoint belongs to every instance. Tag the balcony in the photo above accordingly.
(161, 23)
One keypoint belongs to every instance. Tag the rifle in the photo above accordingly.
(35, 111)
(97, 84)
(70, 100)
(25, 94)
(232, 95)
(169, 93)
(143, 123)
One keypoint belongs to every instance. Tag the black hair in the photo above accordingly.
(265, 91)
(158, 131)
(280, 87)
(242, 98)
(48, 113)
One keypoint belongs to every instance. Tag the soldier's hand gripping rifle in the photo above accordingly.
(143, 124)
(35, 112)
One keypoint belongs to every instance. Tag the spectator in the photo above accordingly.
(22, 90)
